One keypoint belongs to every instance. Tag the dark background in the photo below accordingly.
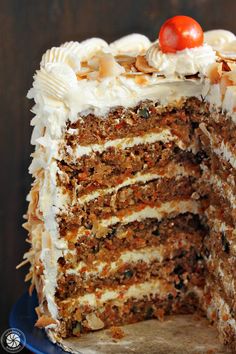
(27, 29)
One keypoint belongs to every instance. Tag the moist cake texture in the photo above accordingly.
(132, 210)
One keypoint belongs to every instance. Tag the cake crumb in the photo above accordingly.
(159, 314)
(211, 351)
(117, 332)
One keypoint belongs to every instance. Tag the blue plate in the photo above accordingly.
(23, 317)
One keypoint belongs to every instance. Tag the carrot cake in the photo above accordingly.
(132, 210)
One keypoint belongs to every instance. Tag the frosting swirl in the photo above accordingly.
(219, 39)
(185, 62)
(132, 44)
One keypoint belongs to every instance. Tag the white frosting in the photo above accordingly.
(147, 255)
(50, 255)
(67, 55)
(164, 135)
(189, 61)
(138, 291)
(132, 45)
(90, 47)
(219, 39)
(167, 208)
(229, 102)
(170, 171)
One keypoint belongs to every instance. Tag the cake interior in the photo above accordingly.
(149, 222)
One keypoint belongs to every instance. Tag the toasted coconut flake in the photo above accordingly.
(82, 74)
(142, 65)
(226, 56)
(126, 62)
(225, 66)
(125, 59)
(224, 83)
(44, 321)
(215, 73)
(108, 67)
(29, 276)
(94, 75)
(38, 311)
(133, 74)
(22, 263)
(141, 79)
(31, 289)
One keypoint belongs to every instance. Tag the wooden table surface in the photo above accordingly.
(27, 29)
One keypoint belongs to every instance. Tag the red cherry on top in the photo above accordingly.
(180, 32)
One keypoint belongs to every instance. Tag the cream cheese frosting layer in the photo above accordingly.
(164, 135)
(146, 255)
(138, 291)
(167, 208)
(171, 170)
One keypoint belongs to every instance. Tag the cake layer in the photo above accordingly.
(169, 171)
(100, 228)
(130, 198)
(170, 235)
(114, 166)
(158, 211)
(121, 123)
(139, 302)
(131, 268)
(163, 135)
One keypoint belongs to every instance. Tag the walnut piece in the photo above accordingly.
(94, 322)
(44, 321)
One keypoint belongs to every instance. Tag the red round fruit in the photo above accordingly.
(180, 32)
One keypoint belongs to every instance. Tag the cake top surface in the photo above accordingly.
(93, 76)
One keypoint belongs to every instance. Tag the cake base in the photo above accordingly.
(182, 334)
